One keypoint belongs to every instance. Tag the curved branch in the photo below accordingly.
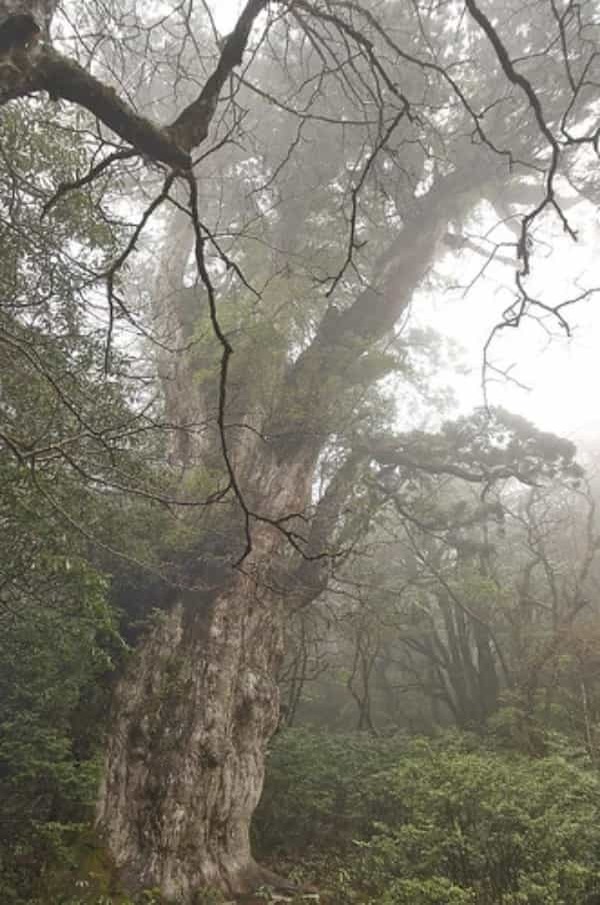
(42, 68)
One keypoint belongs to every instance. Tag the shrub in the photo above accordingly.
(310, 795)
(449, 822)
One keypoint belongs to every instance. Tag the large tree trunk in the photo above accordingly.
(193, 715)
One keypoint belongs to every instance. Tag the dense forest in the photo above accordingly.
(280, 620)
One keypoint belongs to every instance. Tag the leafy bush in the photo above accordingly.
(450, 822)
(310, 796)
(51, 656)
(57, 632)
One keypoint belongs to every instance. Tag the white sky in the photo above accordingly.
(225, 13)
(563, 374)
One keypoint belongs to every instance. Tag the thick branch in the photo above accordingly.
(41, 68)
(48, 70)
(312, 575)
(343, 335)
(63, 78)
(392, 455)
(191, 126)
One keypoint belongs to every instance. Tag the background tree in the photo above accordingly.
(460, 593)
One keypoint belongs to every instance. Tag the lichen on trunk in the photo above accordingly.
(192, 717)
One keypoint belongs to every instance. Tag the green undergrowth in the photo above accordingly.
(449, 821)
(445, 822)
